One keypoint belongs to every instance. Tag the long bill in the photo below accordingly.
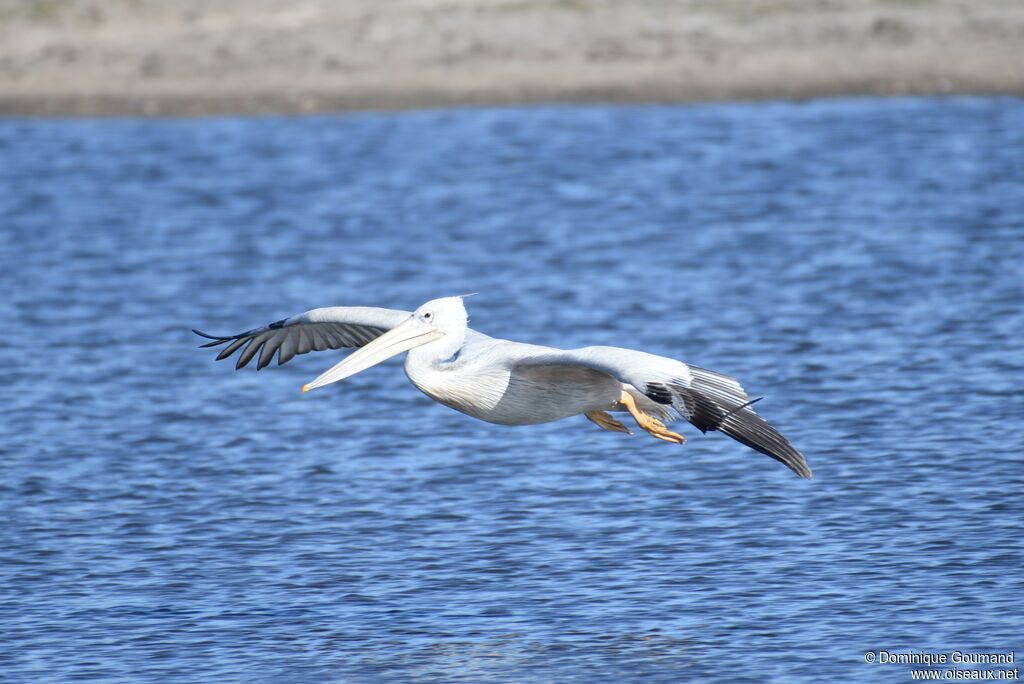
(404, 337)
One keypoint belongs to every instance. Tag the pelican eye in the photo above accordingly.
(427, 315)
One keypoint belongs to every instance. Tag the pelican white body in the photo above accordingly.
(510, 383)
(484, 382)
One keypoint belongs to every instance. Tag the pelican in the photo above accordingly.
(511, 383)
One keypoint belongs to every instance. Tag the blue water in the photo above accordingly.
(165, 518)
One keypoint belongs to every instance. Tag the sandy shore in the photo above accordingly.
(196, 57)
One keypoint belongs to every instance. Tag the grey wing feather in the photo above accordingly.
(333, 327)
(708, 400)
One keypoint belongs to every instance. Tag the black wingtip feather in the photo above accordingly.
(741, 407)
(750, 429)
(216, 340)
(264, 361)
(716, 402)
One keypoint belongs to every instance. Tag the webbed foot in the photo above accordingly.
(653, 426)
(606, 422)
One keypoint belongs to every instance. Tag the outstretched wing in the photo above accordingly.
(708, 400)
(331, 327)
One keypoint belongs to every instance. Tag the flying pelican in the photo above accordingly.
(510, 383)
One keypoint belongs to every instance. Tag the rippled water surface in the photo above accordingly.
(165, 518)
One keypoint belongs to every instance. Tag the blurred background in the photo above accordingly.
(230, 56)
(856, 260)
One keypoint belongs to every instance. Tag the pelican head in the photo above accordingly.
(442, 321)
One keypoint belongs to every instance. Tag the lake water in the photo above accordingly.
(165, 518)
